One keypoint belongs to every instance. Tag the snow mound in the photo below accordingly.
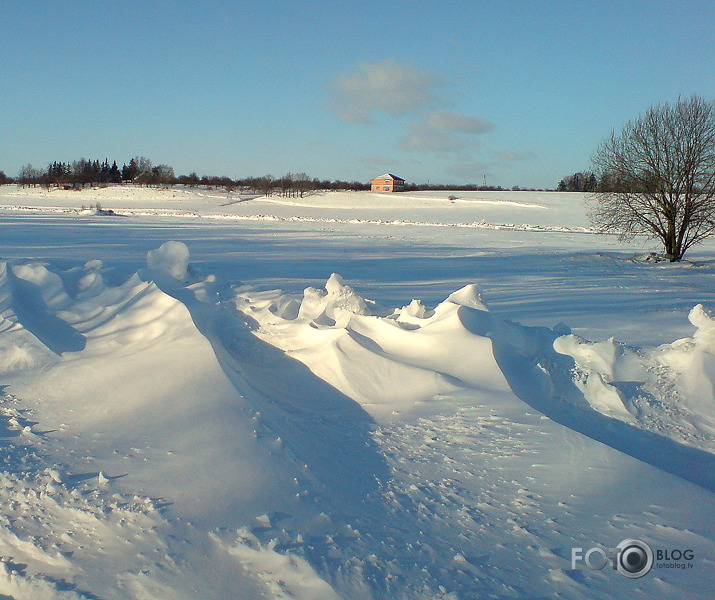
(415, 309)
(171, 258)
(597, 362)
(96, 212)
(691, 365)
(468, 296)
(705, 323)
(336, 303)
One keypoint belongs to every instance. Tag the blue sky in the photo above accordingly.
(521, 92)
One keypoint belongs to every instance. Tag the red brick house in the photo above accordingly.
(387, 183)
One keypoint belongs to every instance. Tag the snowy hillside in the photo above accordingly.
(346, 396)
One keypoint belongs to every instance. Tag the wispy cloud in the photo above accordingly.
(509, 156)
(490, 161)
(458, 123)
(382, 87)
(378, 161)
(422, 137)
(470, 171)
(445, 131)
(417, 98)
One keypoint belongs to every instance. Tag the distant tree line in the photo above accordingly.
(84, 172)
(604, 181)
(466, 187)
(140, 170)
(579, 182)
(290, 185)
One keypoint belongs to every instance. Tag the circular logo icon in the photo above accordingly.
(635, 558)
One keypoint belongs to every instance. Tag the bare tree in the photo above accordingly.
(28, 175)
(661, 173)
(302, 183)
(265, 185)
(285, 184)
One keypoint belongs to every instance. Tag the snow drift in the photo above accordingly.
(188, 438)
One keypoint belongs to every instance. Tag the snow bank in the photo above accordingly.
(392, 363)
(30, 337)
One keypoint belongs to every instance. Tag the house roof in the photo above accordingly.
(389, 176)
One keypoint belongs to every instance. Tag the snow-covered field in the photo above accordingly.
(348, 395)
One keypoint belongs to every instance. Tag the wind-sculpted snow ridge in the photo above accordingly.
(662, 396)
(666, 390)
(175, 436)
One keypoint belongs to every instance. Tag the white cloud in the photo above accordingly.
(443, 131)
(388, 87)
(384, 86)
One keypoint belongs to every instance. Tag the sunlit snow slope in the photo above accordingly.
(179, 436)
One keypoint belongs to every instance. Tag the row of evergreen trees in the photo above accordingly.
(608, 182)
(84, 172)
(579, 182)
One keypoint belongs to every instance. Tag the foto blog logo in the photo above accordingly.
(631, 558)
